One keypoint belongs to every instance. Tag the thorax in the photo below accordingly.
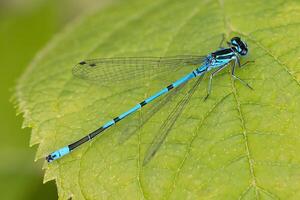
(220, 57)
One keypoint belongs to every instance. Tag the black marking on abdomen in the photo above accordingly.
(79, 142)
(86, 138)
(195, 73)
(170, 87)
(143, 103)
(92, 65)
(96, 132)
(116, 119)
(82, 63)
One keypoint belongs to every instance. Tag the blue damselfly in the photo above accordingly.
(120, 69)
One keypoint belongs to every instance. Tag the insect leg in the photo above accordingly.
(237, 62)
(246, 63)
(210, 80)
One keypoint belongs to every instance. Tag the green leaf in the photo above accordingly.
(239, 144)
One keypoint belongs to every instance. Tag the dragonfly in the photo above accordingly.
(121, 69)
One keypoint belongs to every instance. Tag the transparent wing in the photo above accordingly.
(167, 125)
(107, 70)
(137, 121)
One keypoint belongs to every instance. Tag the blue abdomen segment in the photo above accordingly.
(65, 150)
(57, 154)
(135, 108)
(161, 92)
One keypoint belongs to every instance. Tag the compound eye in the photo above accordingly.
(236, 39)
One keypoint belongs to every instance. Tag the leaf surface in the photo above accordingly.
(239, 144)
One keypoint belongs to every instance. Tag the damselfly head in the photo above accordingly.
(239, 46)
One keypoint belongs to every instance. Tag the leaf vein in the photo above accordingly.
(173, 185)
(285, 67)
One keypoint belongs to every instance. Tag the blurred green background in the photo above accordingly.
(25, 28)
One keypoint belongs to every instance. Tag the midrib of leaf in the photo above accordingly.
(228, 30)
(253, 182)
(248, 153)
(239, 106)
(249, 157)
